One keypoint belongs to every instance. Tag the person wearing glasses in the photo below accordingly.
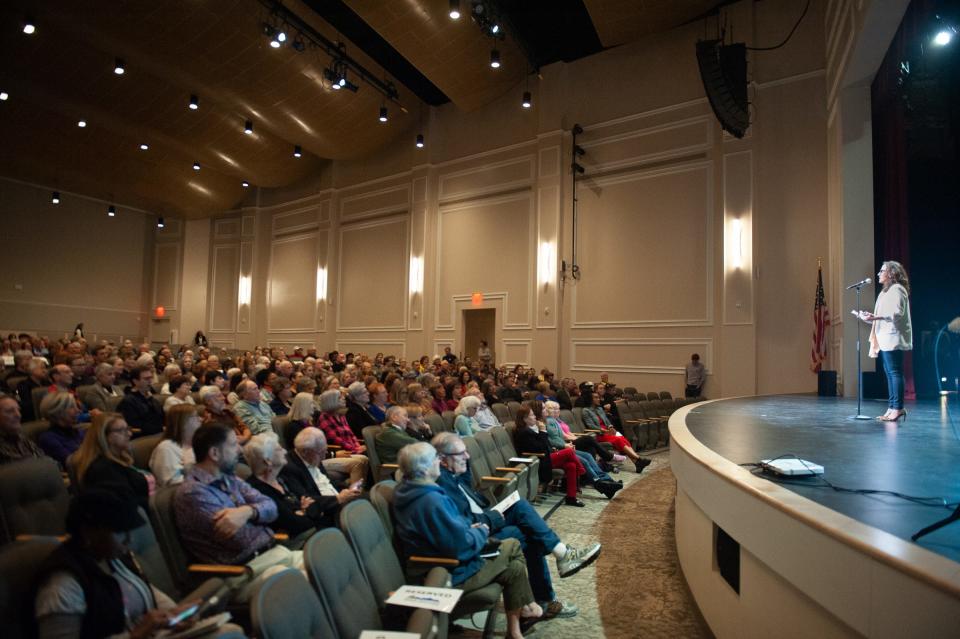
(104, 458)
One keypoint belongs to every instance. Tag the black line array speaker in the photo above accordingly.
(723, 69)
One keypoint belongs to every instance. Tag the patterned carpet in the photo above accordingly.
(644, 596)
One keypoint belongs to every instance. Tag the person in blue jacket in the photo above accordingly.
(428, 523)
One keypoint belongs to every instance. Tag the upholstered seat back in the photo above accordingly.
(285, 607)
(33, 499)
(19, 565)
(142, 448)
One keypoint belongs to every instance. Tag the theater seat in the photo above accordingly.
(142, 448)
(498, 463)
(33, 499)
(33, 430)
(513, 407)
(437, 425)
(502, 412)
(20, 562)
(504, 440)
(284, 607)
(490, 483)
(448, 418)
(377, 470)
(36, 396)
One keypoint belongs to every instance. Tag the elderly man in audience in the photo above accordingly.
(358, 414)
(305, 475)
(14, 445)
(37, 379)
(216, 410)
(429, 523)
(64, 436)
(139, 408)
(61, 379)
(521, 522)
(221, 519)
(102, 390)
(393, 435)
(81, 372)
(252, 410)
(21, 363)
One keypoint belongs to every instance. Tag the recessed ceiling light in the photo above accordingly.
(248, 127)
(194, 102)
(297, 151)
(29, 26)
(454, 9)
(245, 184)
(160, 222)
(527, 100)
(420, 140)
(144, 147)
(495, 59)
(112, 210)
(55, 198)
(196, 166)
(383, 114)
(118, 66)
(4, 96)
(82, 123)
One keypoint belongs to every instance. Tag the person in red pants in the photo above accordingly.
(531, 437)
(594, 418)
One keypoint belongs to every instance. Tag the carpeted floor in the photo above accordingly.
(636, 588)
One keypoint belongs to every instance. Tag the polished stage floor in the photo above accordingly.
(918, 457)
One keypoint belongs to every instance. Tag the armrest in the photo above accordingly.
(592, 430)
(499, 480)
(334, 447)
(638, 421)
(281, 536)
(390, 466)
(509, 469)
(438, 561)
(26, 537)
(213, 587)
(531, 454)
(222, 570)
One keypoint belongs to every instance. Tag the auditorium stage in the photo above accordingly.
(918, 457)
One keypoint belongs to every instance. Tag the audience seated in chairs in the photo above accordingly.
(215, 409)
(180, 393)
(485, 417)
(65, 434)
(104, 389)
(104, 458)
(417, 427)
(91, 586)
(594, 418)
(267, 459)
(466, 423)
(350, 459)
(531, 437)
(252, 409)
(379, 402)
(282, 393)
(595, 476)
(173, 457)
(37, 378)
(139, 408)
(358, 415)
(428, 523)
(14, 445)
(393, 435)
(220, 518)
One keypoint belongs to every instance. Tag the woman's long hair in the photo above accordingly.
(898, 273)
(94, 445)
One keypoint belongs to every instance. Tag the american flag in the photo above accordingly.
(821, 320)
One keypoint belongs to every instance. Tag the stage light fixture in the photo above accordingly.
(144, 147)
(454, 9)
(4, 96)
(943, 37)
(495, 28)
(29, 26)
(578, 168)
(194, 102)
(420, 140)
(579, 150)
(112, 211)
(248, 127)
(160, 222)
(495, 59)
(245, 184)
(81, 123)
(527, 100)
(55, 197)
(383, 114)
(281, 36)
(275, 43)
(118, 66)
(297, 151)
(196, 166)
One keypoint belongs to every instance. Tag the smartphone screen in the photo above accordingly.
(357, 485)
(189, 612)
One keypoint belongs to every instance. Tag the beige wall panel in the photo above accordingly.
(292, 285)
(515, 351)
(646, 145)
(383, 200)
(491, 178)
(373, 346)
(651, 229)
(500, 226)
(738, 228)
(639, 355)
(226, 228)
(295, 221)
(223, 290)
(196, 263)
(166, 284)
(245, 308)
(372, 275)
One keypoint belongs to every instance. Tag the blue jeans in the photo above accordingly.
(537, 540)
(594, 472)
(893, 367)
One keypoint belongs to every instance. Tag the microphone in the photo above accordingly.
(863, 282)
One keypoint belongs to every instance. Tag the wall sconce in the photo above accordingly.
(321, 283)
(735, 244)
(547, 263)
(416, 275)
(246, 287)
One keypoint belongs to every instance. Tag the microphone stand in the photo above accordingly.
(859, 365)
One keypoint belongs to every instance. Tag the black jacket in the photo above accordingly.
(530, 441)
(142, 412)
(287, 506)
(295, 476)
(105, 472)
(359, 418)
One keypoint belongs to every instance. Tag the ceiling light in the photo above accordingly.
(4, 96)
(943, 37)
(55, 198)
(454, 9)
(194, 102)
(495, 29)
(196, 166)
(297, 152)
(29, 26)
(420, 140)
(160, 222)
(275, 43)
(495, 59)
(118, 66)
(527, 100)
(245, 184)
(112, 211)
(248, 127)
(281, 36)
(81, 123)
(144, 147)
(383, 114)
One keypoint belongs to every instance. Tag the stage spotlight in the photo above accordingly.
(196, 166)
(495, 28)
(297, 152)
(454, 9)
(29, 26)
(281, 36)
(112, 211)
(420, 140)
(578, 149)
(81, 123)
(943, 37)
(527, 100)
(194, 102)
(248, 127)
(383, 114)
(4, 96)
(245, 184)
(495, 59)
(160, 222)
(118, 66)
(55, 198)
(578, 168)
(144, 147)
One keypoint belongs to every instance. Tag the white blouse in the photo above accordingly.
(894, 332)
(170, 461)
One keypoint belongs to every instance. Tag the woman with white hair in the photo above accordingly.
(267, 458)
(358, 412)
(466, 423)
(64, 436)
(350, 459)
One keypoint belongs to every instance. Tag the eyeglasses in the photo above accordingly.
(458, 454)
(125, 429)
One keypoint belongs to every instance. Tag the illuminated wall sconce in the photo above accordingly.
(321, 283)
(736, 244)
(416, 275)
(547, 263)
(246, 287)
(476, 299)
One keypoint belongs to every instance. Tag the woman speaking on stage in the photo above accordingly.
(892, 332)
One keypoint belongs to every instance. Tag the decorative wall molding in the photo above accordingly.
(305, 219)
(217, 248)
(340, 345)
(178, 261)
(548, 164)
(400, 206)
(247, 225)
(645, 114)
(704, 122)
(575, 365)
(790, 79)
(277, 242)
(73, 306)
(500, 187)
(227, 228)
(527, 343)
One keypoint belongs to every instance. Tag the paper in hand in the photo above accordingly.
(508, 501)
